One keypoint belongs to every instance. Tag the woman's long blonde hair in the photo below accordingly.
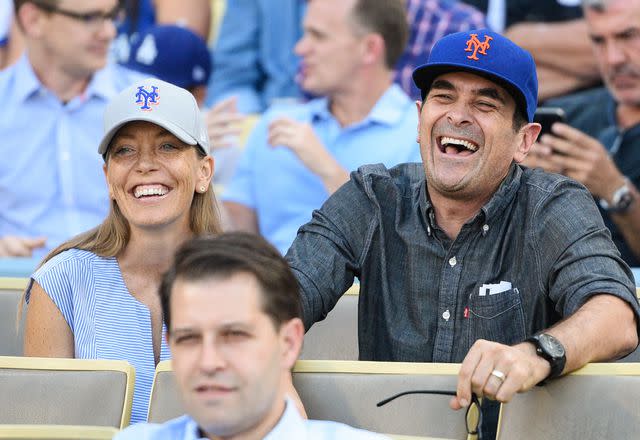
(112, 235)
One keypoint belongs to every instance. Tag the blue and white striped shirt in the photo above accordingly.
(106, 320)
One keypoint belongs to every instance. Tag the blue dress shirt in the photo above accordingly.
(290, 426)
(51, 178)
(279, 187)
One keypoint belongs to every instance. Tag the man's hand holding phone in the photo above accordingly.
(571, 152)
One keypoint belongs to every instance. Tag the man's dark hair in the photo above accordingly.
(225, 255)
(387, 18)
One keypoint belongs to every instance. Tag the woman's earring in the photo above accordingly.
(203, 189)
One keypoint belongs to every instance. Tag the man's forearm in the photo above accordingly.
(603, 329)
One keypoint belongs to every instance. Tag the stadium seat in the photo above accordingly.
(52, 391)
(10, 337)
(164, 403)
(599, 401)
(56, 432)
(336, 337)
(347, 392)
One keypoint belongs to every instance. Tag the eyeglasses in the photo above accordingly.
(93, 19)
(473, 417)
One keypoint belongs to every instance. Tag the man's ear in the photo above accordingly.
(291, 336)
(528, 136)
(31, 19)
(419, 108)
(374, 49)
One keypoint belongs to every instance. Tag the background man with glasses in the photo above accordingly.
(51, 182)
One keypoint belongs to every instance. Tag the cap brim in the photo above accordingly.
(161, 122)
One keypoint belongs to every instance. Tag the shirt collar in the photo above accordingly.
(26, 82)
(102, 83)
(494, 207)
(290, 425)
(388, 110)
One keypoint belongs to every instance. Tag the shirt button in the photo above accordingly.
(66, 155)
(453, 261)
(485, 228)
(446, 315)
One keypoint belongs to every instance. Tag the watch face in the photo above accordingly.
(551, 345)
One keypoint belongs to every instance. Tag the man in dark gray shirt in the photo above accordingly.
(469, 257)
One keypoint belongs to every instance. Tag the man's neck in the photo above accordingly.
(261, 430)
(354, 103)
(452, 214)
(627, 115)
(62, 84)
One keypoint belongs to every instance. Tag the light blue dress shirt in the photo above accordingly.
(51, 178)
(290, 427)
(283, 192)
(253, 57)
(106, 320)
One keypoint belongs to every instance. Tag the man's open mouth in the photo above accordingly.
(455, 146)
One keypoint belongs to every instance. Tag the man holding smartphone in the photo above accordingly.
(601, 148)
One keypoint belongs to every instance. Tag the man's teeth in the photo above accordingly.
(142, 191)
(458, 142)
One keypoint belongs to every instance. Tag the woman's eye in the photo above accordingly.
(122, 150)
(168, 147)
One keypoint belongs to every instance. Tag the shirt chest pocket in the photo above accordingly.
(498, 317)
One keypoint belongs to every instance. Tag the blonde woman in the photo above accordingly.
(96, 296)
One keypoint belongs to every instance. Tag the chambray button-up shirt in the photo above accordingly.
(532, 255)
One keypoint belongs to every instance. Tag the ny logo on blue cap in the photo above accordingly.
(474, 45)
(147, 97)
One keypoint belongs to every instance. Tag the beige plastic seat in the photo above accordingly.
(347, 392)
(40, 391)
(56, 432)
(10, 294)
(599, 401)
(336, 337)
(164, 403)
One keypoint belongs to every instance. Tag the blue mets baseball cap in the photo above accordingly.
(488, 54)
(171, 53)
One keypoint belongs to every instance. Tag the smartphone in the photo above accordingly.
(547, 116)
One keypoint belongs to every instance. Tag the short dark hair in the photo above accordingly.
(387, 18)
(225, 255)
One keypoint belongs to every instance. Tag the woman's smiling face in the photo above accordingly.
(153, 175)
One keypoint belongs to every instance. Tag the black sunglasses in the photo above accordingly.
(93, 18)
(473, 418)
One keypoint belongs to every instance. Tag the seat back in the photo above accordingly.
(11, 336)
(65, 391)
(347, 392)
(56, 432)
(165, 402)
(599, 401)
(336, 337)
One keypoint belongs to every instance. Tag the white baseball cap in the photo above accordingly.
(171, 107)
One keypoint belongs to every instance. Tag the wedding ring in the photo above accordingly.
(499, 374)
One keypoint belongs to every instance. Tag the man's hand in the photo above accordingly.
(300, 138)
(12, 246)
(540, 157)
(516, 369)
(583, 158)
(224, 124)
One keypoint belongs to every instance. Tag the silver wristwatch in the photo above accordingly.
(621, 199)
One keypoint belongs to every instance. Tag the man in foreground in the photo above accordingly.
(232, 310)
(469, 257)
